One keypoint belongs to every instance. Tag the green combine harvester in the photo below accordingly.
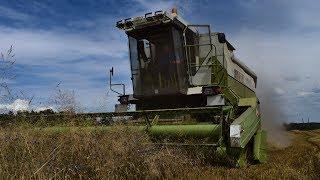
(187, 84)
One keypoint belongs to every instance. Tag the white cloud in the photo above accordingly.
(17, 105)
(22, 105)
(13, 14)
(304, 14)
(39, 47)
(304, 93)
(43, 108)
(156, 5)
(279, 91)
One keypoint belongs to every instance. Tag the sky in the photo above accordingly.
(73, 44)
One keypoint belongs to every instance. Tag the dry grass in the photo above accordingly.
(121, 153)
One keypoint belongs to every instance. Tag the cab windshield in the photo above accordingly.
(157, 61)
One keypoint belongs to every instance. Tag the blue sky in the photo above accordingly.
(75, 42)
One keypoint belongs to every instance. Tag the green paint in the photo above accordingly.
(250, 123)
(248, 102)
(219, 73)
(242, 158)
(260, 146)
(240, 89)
(193, 130)
(197, 130)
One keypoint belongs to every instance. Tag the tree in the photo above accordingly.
(7, 62)
(65, 101)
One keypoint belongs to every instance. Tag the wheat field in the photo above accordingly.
(120, 153)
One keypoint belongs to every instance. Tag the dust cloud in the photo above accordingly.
(273, 118)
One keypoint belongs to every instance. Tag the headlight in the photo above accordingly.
(148, 16)
(128, 23)
(120, 24)
(159, 14)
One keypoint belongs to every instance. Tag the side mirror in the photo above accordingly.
(111, 71)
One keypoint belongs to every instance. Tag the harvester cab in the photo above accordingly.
(180, 69)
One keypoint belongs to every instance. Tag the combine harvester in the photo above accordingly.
(187, 84)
